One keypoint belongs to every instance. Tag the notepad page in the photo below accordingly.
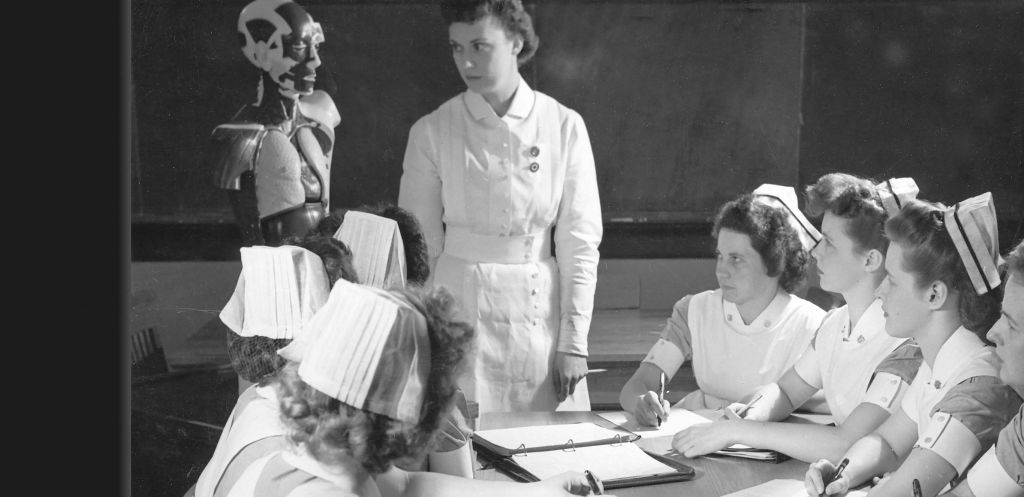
(544, 435)
(783, 488)
(678, 420)
(608, 462)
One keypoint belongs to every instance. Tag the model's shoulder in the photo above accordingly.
(319, 106)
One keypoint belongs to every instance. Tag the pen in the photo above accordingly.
(745, 408)
(661, 394)
(839, 473)
(917, 488)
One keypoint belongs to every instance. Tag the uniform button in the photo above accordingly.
(767, 324)
(860, 339)
(534, 151)
(885, 399)
(728, 317)
(535, 322)
(533, 292)
(893, 381)
(534, 167)
(928, 440)
(505, 145)
(938, 384)
(940, 418)
(534, 275)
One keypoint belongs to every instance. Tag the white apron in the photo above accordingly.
(500, 184)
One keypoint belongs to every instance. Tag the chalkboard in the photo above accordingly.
(687, 104)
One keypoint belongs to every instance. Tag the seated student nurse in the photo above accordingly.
(942, 289)
(1000, 472)
(370, 382)
(861, 369)
(751, 329)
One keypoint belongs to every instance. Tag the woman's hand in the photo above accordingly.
(705, 438)
(569, 370)
(649, 408)
(568, 483)
(818, 480)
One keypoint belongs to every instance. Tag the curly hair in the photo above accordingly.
(930, 255)
(771, 235)
(255, 358)
(854, 199)
(510, 13)
(417, 264)
(332, 430)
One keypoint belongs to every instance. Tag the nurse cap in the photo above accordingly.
(368, 348)
(278, 292)
(972, 225)
(378, 253)
(786, 195)
(895, 192)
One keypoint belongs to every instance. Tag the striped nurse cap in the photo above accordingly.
(368, 348)
(278, 292)
(786, 195)
(378, 254)
(972, 225)
(895, 192)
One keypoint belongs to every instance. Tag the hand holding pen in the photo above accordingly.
(651, 407)
(730, 414)
(816, 483)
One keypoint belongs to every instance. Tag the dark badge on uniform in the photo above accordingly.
(534, 167)
(534, 151)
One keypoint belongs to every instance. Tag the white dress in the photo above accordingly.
(732, 358)
(487, 191)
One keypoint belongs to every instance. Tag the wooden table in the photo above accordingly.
(715, 476)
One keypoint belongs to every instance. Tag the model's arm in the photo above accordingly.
(578, 232)
(399, 483)
(419, 190)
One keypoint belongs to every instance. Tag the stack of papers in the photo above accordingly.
(783, 488)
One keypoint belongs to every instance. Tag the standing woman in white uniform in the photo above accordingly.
(488, 174)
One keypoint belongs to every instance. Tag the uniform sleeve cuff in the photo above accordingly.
(951, 440)
(666, 356)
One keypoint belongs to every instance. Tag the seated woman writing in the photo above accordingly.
(1000, 472)
(862, 370)
(751, 329)
(942, 290)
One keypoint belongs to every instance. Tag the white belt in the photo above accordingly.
(518, 249)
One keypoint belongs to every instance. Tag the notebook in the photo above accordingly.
(533, 453)
(679, 419)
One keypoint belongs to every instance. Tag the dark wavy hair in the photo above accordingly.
(929, 254)
(332, 430)
(255, 358)
(510, 13)
(417, 263)
(771, 235)
(854, 199)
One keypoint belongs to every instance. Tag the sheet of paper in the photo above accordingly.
(678, 419)
(546, 435)
(783, 488)
(608, 462)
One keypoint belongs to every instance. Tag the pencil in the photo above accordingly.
(747, 407)
(661, 394)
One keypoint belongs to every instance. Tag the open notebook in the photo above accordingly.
(679, 419)
(533, 453)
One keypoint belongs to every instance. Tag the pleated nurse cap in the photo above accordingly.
(378, 254)
(278, 292)
(368, 348)
(972, 225)
(786, 196)
(895, 192)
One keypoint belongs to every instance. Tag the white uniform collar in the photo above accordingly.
(959, 348)
(522, 103)
(266, 391)
(870, 324)
(769, 317)
(352, 478)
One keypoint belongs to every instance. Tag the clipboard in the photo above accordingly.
(620, 462)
